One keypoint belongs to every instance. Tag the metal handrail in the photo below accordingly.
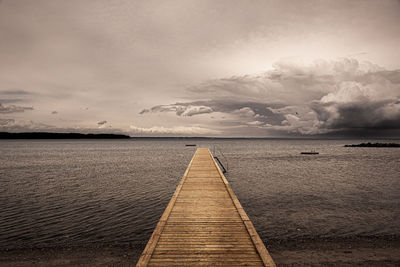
(223, 156)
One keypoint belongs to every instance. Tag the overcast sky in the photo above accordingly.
(201, 68)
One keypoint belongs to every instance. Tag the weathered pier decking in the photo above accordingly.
(204, 224)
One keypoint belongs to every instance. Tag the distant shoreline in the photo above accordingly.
(374, 145)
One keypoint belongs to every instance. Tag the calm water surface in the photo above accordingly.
(112, 192)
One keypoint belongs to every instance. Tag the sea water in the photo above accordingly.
(62, 193)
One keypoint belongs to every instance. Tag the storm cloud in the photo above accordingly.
(317, 98)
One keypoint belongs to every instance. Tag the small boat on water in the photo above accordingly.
(190, 145)
(312, 152)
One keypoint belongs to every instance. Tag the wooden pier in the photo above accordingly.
(204, 224)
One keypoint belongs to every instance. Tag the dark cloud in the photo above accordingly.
(246, 111)
(15, 92)
(13, 108)
(14, 96)
(54, 112)
(320, 98)
(10, 100)
(359, 115)
(102, 122)
(144, 111)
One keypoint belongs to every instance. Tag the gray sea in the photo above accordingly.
(69, 193)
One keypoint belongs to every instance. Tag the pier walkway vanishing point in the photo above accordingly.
(204, 224)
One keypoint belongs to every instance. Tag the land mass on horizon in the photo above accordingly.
(374, 145)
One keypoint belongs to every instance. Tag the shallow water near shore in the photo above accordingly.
(72, 193)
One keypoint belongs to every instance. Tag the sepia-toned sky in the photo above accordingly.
(201, 68)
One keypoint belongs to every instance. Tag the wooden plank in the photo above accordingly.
(204, 224)
(261, 249)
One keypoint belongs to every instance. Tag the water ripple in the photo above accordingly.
(64, 193)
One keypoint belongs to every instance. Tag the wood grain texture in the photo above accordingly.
(204, 224)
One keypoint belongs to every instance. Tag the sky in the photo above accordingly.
(201, 68)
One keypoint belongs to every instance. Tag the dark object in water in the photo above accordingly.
(374, 145)
(309, 153)
(190, 145)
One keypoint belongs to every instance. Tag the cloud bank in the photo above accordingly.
(178, 130)
(323, 97)
(15, 126)
(13, 109)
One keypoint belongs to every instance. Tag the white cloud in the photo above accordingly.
(245, 112)
(181, 109)
(255, 123)
(196, 110)
(102, 124)
(178, 130)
